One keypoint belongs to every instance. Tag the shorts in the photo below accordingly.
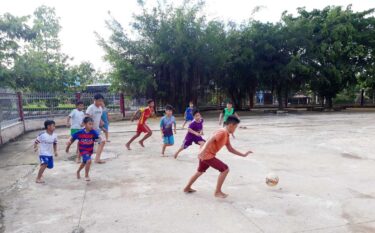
(85, 158)
(168, 140)
(106, 126)
(143, 128)
(189, 141)
(73, 131)
(46, 159)
(189, 118)
(214, 163)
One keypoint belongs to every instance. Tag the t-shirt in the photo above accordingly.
(85, 141)
(210, 149)
(189, 113)
(96, 114)
(166, 124)
(46, 142)
(228, 113)
(196, 126)
(76, 118)
(145, 114)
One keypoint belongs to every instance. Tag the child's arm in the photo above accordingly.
(236, 152)
(35, 146)
(68, 144)
(132, 119)
(55, 149)
(68, 121)
(193, 132)
(237, 115)
(161, 128)
(204, 147)
(220, 118)
(175, 129)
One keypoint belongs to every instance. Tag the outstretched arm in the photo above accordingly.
(236, 152)
(136, 113)
(194, 132)
(220, 118)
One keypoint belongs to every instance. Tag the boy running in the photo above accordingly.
(47, 142)
(86, 138)
(195, 132)
(228, 111)
(142, 127)
(188, 114)
(95, 111)
(74, 120)
(166, 123)
(207, 156)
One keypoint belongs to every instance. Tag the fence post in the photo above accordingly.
(122, 104)
(20, 110)
(362, 97)
(78, 96)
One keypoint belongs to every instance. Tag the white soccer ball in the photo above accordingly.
(272, 179)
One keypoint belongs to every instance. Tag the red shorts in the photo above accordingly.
(214, 162)
(143, 128)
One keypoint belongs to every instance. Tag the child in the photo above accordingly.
(166, 123)
(95, 111)
(207, 155)
(86, 138)
(188, 113)
(228, 111)
(105, 119)
(48, 147)
(142, 127)
(74, 120)
(195, 132)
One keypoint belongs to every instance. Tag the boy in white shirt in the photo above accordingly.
(47, 142)
(95, 111)
(74, 120)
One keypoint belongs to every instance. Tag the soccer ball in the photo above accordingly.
(272, 179)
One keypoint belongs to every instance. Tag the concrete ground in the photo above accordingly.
(325, 163)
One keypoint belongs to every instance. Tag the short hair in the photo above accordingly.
(149, 101)
(87, 120)
(98, 96)
(79, 102)
(48, 123)
(169, 107)
(196, 111)
(191, 102)
(229, 102)
(232, 120)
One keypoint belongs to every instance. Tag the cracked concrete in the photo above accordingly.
(325, 163)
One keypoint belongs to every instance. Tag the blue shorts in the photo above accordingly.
(168, 140)
(85, 158)
(106, 126)
(189, 118)
(46, 159)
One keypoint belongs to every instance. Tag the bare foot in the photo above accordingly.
(141, 143)
(100, 161)
(175, 156)
(221, 195)
(87, 178)
(127, 145)
(189, 190)
(78, 175)
(78, 160)
(39, 181)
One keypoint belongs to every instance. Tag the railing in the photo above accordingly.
(9, 109)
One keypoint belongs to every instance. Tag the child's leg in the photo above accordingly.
(78, 159)
(164, 147)
(40, 173)
(148, 134)
(220, 181)
(131, 140)
(183, 126)
(188, 188)
(87, 170)
(99, 152)
(106, 135)
(201, 143)
(81, 166)
(178, 152)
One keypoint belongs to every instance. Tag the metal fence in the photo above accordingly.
(9, 109)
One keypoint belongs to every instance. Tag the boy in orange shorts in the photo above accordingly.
(142, 126)
(207, 156)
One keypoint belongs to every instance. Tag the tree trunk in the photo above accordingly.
(329, 103)
(251, 99)
(280, 98)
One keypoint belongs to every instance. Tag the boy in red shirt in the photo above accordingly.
(207, 156)
(142, 127)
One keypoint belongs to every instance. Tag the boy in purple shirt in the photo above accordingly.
(195, 132)
(86, 138)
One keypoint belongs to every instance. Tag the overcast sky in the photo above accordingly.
(80, 18)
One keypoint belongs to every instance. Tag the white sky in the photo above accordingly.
(80, 18)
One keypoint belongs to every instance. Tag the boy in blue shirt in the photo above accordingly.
(86, 138)
(166, 124)
(188, 114)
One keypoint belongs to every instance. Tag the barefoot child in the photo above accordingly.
(95, 111)
(188, 113)
(207, 156)
(166, 123)
(142, 127)
(86, 138)
(74, 120)
(47, 142)
(105, 119)
(195, 132)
